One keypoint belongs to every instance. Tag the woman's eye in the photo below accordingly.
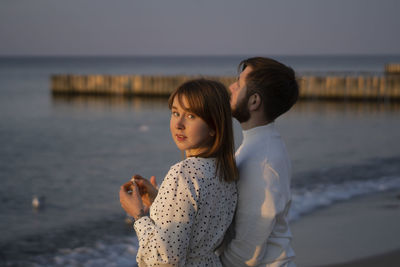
(190, 116)
(175, 114)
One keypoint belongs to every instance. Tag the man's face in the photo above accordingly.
(238, 100)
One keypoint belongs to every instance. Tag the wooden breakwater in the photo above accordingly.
(339, 87)
(361, 87)
(123, 85)
(392, 69)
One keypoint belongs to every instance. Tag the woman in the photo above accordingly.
(196, 201)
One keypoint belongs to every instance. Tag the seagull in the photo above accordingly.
(37, 202)
(143, 128)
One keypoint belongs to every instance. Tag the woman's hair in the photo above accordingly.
(210, 101)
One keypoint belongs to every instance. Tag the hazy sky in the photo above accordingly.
(199, 27)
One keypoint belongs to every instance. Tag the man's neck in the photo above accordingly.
(250, 124)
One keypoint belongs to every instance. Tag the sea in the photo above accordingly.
(73, 153)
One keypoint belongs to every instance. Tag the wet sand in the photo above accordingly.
(391, 259)
(364, 231)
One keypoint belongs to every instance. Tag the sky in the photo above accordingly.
(199, 27)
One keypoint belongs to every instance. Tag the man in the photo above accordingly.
(261, 236)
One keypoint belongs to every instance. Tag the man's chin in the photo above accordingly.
(241, 117)
(232, 107)
(240, 111)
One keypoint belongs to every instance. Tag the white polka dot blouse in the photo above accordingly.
(188, 218)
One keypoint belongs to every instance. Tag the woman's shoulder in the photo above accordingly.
(194, 167)
(195, 162)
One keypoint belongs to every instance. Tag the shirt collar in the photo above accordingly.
(255, 132)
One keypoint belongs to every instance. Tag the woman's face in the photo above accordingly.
(188, 130)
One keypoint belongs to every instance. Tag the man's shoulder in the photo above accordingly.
(264, 155)
(264, 164)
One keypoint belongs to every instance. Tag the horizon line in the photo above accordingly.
(194, 55)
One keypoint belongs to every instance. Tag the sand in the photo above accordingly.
(364, 231)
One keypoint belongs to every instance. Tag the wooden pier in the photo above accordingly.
(335, 87)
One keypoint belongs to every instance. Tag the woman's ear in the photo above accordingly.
(254, 102)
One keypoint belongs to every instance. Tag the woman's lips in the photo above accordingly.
(180, 137)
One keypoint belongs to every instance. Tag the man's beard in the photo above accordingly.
(241, 111)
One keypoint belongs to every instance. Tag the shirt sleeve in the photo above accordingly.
(164, 236)
(260, 200)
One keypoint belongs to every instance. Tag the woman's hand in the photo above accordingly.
(147, 189)
(131, 202)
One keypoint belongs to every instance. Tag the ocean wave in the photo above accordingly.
(120, 253)
(308, 199)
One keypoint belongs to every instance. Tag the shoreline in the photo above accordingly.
(389, 259)
(359, 232)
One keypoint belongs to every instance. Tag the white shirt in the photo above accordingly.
(188, 218)
(261, 232)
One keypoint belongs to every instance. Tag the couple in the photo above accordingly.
(200, 196)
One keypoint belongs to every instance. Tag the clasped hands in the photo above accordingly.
(137, 195)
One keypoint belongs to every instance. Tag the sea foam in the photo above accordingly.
(120, 253)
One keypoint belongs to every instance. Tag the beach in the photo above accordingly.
(363, 231)
(75, 152)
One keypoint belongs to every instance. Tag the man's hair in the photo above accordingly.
(274, 82)
(210, 101)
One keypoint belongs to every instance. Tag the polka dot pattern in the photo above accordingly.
(188, 218)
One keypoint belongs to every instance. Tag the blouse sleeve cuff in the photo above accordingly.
(144, 228)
